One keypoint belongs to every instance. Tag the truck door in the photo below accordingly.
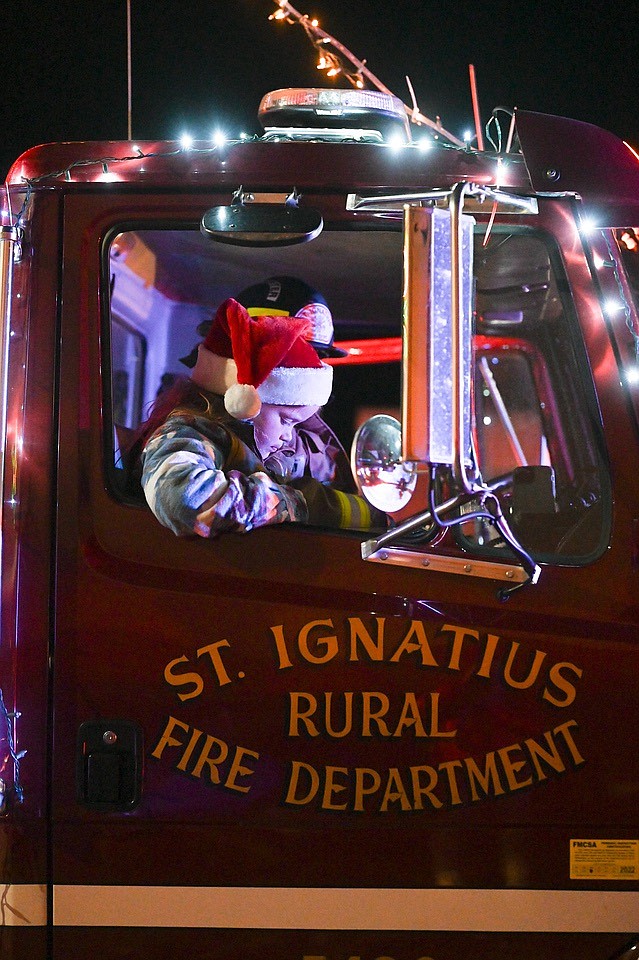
(269, 745)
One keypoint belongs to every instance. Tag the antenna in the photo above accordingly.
(128, 70)
(475, 99)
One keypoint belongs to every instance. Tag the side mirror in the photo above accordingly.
(382, 477)
(438, 285)
(261, 224)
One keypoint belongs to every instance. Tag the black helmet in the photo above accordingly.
(290, 297)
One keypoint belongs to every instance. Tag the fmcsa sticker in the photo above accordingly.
(604, 859)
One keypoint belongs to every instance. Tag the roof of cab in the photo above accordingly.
(560, 157)
(312, 164)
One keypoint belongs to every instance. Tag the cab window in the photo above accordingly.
(534, 419)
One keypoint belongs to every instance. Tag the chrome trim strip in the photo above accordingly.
(469, 567)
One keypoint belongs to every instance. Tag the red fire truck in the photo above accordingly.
(308, 743)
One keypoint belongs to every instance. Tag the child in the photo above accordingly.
(220, 452)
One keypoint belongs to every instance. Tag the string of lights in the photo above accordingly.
(337, 60)
(8, 717)
(628, 318)
(185, 146)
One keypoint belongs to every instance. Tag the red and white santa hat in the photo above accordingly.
(265, 359)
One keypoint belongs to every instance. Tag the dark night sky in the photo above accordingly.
(203, 64)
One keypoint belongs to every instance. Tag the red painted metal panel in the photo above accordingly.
(242, 641)
(310, 720)
(570, 156)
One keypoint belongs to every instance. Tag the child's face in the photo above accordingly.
(274, 426)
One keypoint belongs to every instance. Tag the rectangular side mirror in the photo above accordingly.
(436, 392)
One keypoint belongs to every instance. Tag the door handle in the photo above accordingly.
(109, 764)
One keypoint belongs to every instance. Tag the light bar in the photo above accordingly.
(316, 106)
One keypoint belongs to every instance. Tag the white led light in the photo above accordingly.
(632, 375)
(588, 225)
(396, 142)
(467, 136)
(612, 307)
(219, 138)
(424, 144)
(598, 261)
(186, 141)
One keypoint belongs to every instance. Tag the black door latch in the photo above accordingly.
(109, 764)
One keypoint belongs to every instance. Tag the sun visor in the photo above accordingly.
(572, 157)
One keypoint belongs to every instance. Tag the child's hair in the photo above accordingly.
(182, 393)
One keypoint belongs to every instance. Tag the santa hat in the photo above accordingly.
(255, 360)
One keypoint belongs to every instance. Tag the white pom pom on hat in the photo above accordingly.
(250, 360)
(242, 401)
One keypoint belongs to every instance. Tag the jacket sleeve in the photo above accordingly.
(328, 507)
(189, 492)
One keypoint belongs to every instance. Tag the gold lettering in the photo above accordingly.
(551, 756)
(166, 740)
(212, 763)
(361, 790)
(487, 660)
(570, 743)
(449, 767)
(372, 717)
(534, 670)
(297, 767)
(459, 635)
(420, 643)
(420, 791)
(213, 651)
(237, 770)
(331, 787)
(329, 642)
(348, 715)
(434, 719)
(512, 767)
(296, 715)
(449, 784)
(410, 717)
(374, 650)
(394, 791)
(555, 676)
(280, 645)
(181, 679)
(186, 756)
(489, 778)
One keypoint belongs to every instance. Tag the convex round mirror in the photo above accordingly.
(381, 476)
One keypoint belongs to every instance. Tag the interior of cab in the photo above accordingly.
(533, 405)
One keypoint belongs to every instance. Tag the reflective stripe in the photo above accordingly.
(23, 904)
(498, 911)
(345, 507)
(354, 512)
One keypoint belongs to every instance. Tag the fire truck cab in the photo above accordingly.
(417, 743)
